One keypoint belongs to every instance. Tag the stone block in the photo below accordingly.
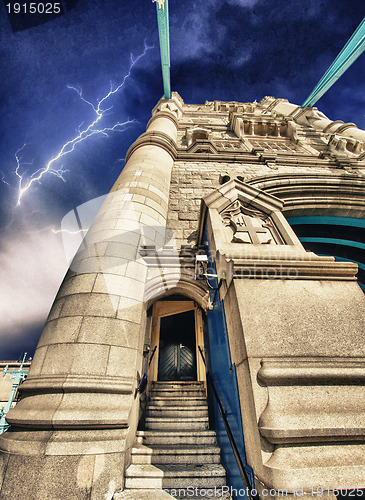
(110, 331)
(56, 309)
(110, 283)
(104, 225)
(127, 225)
(137, 270)
(187, 216)
(38, 359)
(85, 442)
(94, 265)
(121, 235)
(107, 475)
(3, 466)
(36, 478)
(77, 284)
(122, 361)
(151, 221)
(92, 410)
(150, 212)
(59, 359)
(159, 205)
(301, 318)
(94, 304)
(60, 330)
(38, 411)
(121, 251)
(139, 199)
(130, 310)
(89, 359)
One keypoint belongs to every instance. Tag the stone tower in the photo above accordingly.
(219, 179)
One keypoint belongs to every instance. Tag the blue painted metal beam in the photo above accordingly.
(332, 241)
(351, 51)
(328, 240)
(224, 376)
(162, 7)
(328, 220)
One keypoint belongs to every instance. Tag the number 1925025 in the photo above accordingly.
(34, 8)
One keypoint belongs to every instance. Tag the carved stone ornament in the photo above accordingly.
(248, 225)
(169, 107)
(197, 134)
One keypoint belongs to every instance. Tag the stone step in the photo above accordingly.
(177, 451)
(163, 437)
(143, 495)
(220, 493)
(176, 454)
(175, 393)
(177, 423)
(178, 401)
(177, 411)
(176, 383)
(190, 494)
(175, 476)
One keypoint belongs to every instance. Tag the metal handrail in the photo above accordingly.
(235, 450)
(153, 353)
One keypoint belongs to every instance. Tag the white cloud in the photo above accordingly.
(32, 266)
(201, 32)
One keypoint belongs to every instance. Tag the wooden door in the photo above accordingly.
(177, 352)
(164, 309)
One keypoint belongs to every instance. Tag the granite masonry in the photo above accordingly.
(225, 175)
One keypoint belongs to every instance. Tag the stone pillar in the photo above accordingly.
(72, 431)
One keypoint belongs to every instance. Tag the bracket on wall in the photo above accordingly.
(224, 272)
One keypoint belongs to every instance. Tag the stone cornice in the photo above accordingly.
(300, 158)
(159, 139)
(293, 269)
(342, 195)
(309, 379)
(77, 383)
(304, 371)
(163, 114)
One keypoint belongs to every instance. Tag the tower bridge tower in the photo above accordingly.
(238, 182)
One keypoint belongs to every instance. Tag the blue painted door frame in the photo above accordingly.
(224, 376)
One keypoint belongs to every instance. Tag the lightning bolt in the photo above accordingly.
(3, 179)
(83, 133)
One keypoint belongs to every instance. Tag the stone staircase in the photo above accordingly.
(177, 450)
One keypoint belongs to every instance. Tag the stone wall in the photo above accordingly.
(217, 140)
(191, 181)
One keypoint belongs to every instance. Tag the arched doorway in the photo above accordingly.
(176, 335)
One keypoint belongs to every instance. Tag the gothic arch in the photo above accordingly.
(185, 286)
(326, 212)
(197, 301)
(341, 195)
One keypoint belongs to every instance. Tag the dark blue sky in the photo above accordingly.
(229, 50)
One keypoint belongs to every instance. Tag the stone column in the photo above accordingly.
(72, 431)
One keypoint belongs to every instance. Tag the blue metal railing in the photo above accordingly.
(241, 466)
